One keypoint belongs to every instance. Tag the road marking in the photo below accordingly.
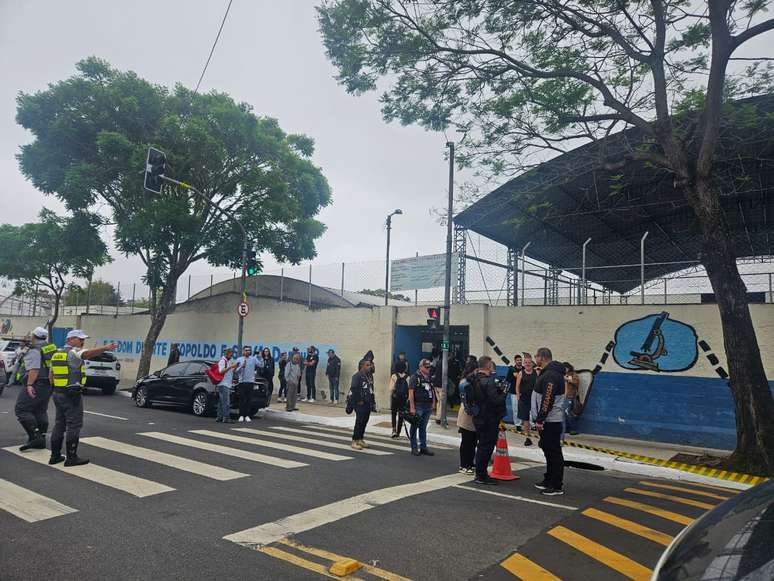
(348, 432)
(685, 489)
(375, 571)
(630, 526)
(650, 509)
(311, 441)
(275, 445)
(527, 570)
(186, 464)
(225, 450)
(343, 437)
(29, 506)
(272, 532)
(612, 559)
(678, 499)
(106, 415)
(712, 487)
(514, 497)
(113, 478)
(301, 562)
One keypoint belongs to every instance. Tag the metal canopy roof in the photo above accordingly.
(559, 204)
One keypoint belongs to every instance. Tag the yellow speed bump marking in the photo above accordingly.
(375, 571)
(608, 557)
(722, 489)
(300, 562)
(527, 570)
(650, 509)
(671, 498)
(630, 526)
(685, 490)
(344, 567)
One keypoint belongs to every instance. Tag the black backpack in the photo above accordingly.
(400, 395)
(474, 395)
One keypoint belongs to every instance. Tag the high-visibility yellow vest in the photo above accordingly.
(46, 352)
(63, 375)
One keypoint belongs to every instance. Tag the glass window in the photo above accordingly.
(176, 370)
(196, 368)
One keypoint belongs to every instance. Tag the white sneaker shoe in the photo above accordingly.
(247, 419)
(302, 399)
(311, 400)
(241, 419)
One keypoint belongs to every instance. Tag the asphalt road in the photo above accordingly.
(286, 509)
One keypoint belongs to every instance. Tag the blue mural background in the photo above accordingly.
(679, 342)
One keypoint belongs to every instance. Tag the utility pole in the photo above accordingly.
(447, 293)
(387, 265)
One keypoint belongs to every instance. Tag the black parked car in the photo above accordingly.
(185, 384)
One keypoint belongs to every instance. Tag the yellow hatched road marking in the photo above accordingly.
(630, 526)
(608, 557)
(301, 562)
(527, 570)
(684, 489)
(650, 509)
(375, 571)
(678, 499)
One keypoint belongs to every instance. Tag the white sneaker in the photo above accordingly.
(241, 419)
(247, 419)
(311, 400)
(302, 399)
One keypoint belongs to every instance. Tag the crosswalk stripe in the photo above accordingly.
(608, 557)
(671, 498)
(311, 441)
(346, 432)
(225, 450)
(133, 485)
(276, 445)
(684, 490)
(650, 509)
(185, 464)
(630, 526)
(711, 486)
(28, 505)
(342, 437)
(527, 570)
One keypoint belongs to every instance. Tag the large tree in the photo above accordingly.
(91, 133)
(528, 79)
(97, 292)
(45, 255)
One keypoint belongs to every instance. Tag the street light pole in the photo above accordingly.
(447, 293)
(387, 265)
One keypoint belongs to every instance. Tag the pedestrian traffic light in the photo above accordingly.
(433, 317)
(155, 167)
(253, 265)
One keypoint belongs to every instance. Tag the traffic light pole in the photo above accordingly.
(447, 293)
(219, 210)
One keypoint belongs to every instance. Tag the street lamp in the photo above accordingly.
(387, 266)
(447, 294)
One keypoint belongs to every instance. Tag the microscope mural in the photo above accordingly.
(656, 343)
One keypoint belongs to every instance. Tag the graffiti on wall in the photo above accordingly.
(656, 343)
(6, 326)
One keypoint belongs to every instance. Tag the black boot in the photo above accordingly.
(72, 454)
(56, 452)
(37, 441)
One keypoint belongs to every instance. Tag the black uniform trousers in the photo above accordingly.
(486, 433)
(467, 448)
(32, 412)
(311, 387)
(362, 414)
(551, 444)
(245, 394)
(69, 415)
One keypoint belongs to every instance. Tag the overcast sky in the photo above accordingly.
(271, 56)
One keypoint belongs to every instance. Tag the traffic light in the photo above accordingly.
(155, 167)
(433, 317)
(253, 265)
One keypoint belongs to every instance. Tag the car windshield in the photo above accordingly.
(11, 346)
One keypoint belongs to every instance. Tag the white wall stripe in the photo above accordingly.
(29, 506)
(225, 450)
(113, 478)
(178, 462)
(271, 532)
(313, 441)
(275, 445)
(371, 441)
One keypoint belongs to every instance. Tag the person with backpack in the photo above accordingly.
(465, 425)
(547, 404)
(361, 400)
(398, 396)
(490, 399)
(226, 369)
(421, 399)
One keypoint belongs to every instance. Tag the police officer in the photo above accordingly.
(68, 376)
(32, 404)
(361, 400)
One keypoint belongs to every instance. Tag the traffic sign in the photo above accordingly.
(444, 345)
(243, 309)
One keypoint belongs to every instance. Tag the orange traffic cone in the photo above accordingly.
(501, 467)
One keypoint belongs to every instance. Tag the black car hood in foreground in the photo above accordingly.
(734, 541)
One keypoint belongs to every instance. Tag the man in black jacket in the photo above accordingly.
(487, 421)
(333, 372)
(547, 402)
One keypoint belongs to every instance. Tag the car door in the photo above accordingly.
(182, 388)
(168, 382)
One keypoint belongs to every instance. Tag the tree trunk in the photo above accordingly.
(158, 318)
(753, 401)
(54, 316)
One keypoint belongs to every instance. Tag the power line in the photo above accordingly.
(214, 44)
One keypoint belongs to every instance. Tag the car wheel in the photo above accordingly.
(109, 390)
(200, 405)
(141, 397)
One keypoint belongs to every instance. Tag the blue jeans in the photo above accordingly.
(224, 402)
(334, 385)
(570, 419)
(424, 411)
